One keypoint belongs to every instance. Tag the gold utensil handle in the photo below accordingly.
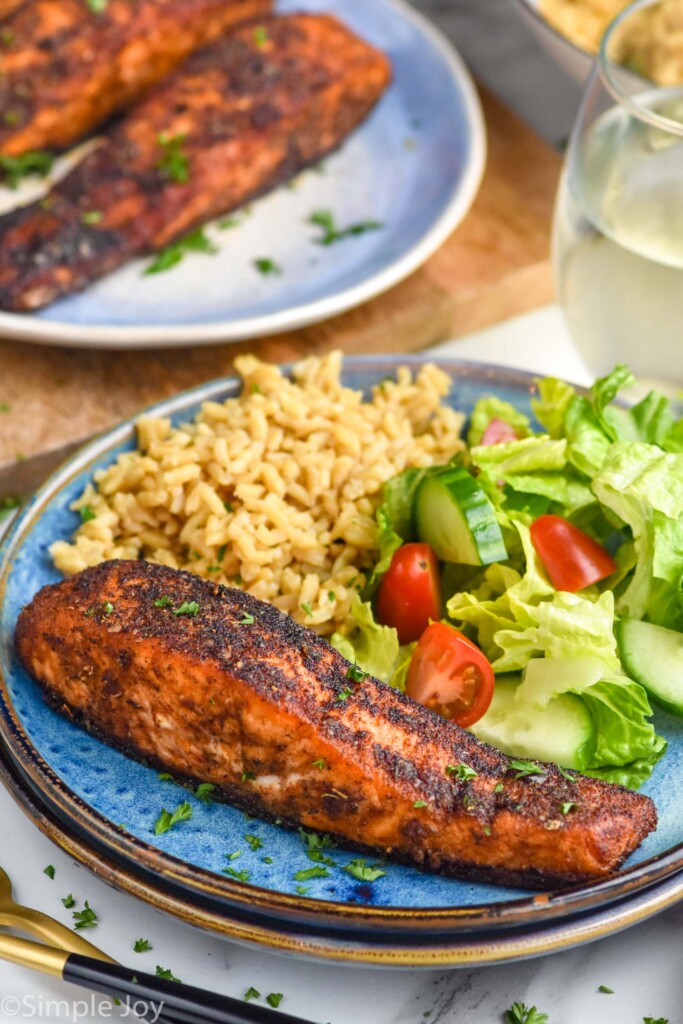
(51, 931)
(32, 954)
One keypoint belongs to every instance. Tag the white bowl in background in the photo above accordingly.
(575, 60)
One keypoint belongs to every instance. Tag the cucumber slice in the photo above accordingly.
(563, 732)
(455, 517)
(653, 656)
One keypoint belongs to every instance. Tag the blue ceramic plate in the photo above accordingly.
(414, 166)
(114, 802)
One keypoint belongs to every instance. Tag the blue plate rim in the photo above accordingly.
(26, 327)
(539, 909)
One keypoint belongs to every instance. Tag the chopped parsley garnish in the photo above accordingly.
(267, 267)
(248, 776)
(97, 6)
(344, 694)
(204, 792)
(302, 890)
(141, 945)
(174, 164)
(69, 901)
(91, 217)
(468, 802)
(49, 871)
(355, 674)
(314, 841)
(187, 608)
(331, 233)
(487, 830)
(306, 874)
(162, 602)
(267, 860)
(14, 168)
(107, 607)
(7, 37)
(251, 993)
(274, 999)
(567, 807)
(86, 918)
(165, 777)
(246, 620)
(255, 842)
(565, 774)
(331, 596)
(607, 991)
(320, 763)
(86, 514)
(461, 772)
(519, 1013)
(419, 803)
(260, 36)
(7, 504)
(166, 973)
(11, 117)
(307, 608)
(363, 871)
(167, 820)
(241, 876)
(659, 1020)
(235, 856)
(5, 407)
(173, 253)
(524, 768)
(219, 558)
(498, 788)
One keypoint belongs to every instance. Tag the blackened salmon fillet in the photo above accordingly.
(237, 119)
(69, 64)
(212, 685)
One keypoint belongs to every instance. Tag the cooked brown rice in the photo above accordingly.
(274, 491)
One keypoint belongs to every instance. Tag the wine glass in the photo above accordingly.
(618, 232)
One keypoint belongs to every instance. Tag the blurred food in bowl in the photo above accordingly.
(582, 22)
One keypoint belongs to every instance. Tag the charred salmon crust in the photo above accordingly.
(237, 119)
(67, 67)
(214, 686)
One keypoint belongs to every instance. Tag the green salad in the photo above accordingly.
(554, 559)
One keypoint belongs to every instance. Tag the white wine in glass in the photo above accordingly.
(618, 234)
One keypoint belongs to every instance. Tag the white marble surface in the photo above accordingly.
(642, 965)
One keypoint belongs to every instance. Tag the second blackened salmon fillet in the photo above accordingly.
(214, 686)
(67, 65)
(239, 118)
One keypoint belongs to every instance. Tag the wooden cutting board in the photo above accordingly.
(494, 266)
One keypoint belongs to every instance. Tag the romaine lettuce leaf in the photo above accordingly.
(373, 648)
(550, 408)
(643, 486)
(492, 408)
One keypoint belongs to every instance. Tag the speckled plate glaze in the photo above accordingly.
(111, 803)
(414, 165)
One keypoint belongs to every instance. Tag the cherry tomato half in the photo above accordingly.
(571, 558)
(450, 675)
(498, 432)
(410, 594)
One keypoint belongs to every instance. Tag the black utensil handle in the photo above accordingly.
(169, 1001)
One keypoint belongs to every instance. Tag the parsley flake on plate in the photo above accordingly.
(190, 608)
(166, 973)
(307, 608)
(14, 168)
(268, 267)
(306, 874)
(607, 991)
(331, 233)
(344, 694)
(519, 1013)
(173, 164)
(86, 918)
(568, 806)
(255, 842)
(241, 876)
(246, 620)
(320, 763)
(167, 820)
(419, 803)
(49, 871)
(274, 999)
(659, 1020)
(355, 674)
(251, 993)
(141, 945)
(363, 871)
(97, 6)
(524, 768)
(204, 792)
(69, 901)
(174, 253)
(86, 514)
(462, 772)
